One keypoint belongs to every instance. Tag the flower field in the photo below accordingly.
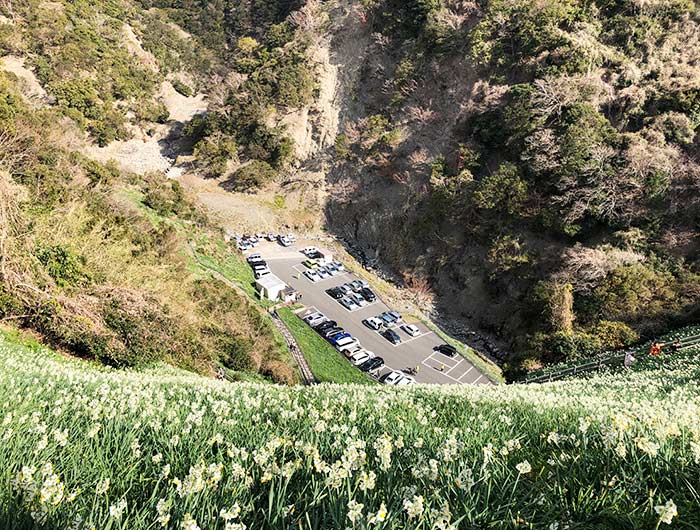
(85, 447)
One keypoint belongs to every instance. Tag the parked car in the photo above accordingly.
(391, 378)
(361, 357)
(353, 350)
(326, 324)
(291, 237)
(391, 336)
(348, 303)
(342, 336)
(338, 265)
(411, 329)
(396, 316)
(312, 276)
(254, 258)
(386, 318)
(376, 363)
(270, 236)
(373, 323)
(309, 264)
(354, 344)
(322, 273)
(358, 299)
(314, 318)
(358, 285)
(406, 380)
(446, 349)
(368, 295)
(284, 241)
(259, 273)
(341, 342)
(330, 332)
(332, 269)
(346, 288)
(334, 293)
(308, 250)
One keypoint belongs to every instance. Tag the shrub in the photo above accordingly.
(614, 335)
(214, 152)
(65, 266)
(253, 175)
(153, 111)
(182, 88)
(506, 254)
(166, 197)
(503, 191)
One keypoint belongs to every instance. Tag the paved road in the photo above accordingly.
(435, 367)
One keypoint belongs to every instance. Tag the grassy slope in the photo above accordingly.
(326, 363)
(603, 452)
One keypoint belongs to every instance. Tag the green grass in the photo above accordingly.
(326, 363)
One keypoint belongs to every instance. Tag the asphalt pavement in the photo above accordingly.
(434, 367)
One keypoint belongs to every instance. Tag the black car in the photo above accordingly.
(374, 363)
(335, 292)
(325, 325)
(446, 349)
(368, 295)
(391, 336)
(328, 333)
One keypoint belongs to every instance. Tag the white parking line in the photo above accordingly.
(414, 338)
(465, 373)
(455, 366)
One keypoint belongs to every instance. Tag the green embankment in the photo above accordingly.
(326, 363)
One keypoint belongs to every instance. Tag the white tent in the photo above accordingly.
(270, 287)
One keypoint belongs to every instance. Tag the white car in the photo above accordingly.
(312, 276)
(345, 345)
(323, 273)
(358, 299)
(284, 241)
(411, 329)
(260, 272)
(349, 352)
(308, 250)
(393, 378)
(314, 319)
(405, 381)
(348, 303)
(373, 323)
(361, 357)
(291, 237)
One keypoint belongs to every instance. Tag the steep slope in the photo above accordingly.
(91, 447)
(533, 164)
(96, 259)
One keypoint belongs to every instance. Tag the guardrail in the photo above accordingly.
(590, 366)
(598, 363)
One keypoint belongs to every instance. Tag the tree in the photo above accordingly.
(503, 191)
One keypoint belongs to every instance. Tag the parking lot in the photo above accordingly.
(434, 367)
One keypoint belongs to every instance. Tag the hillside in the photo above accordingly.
(532, 165)
(90, 447)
